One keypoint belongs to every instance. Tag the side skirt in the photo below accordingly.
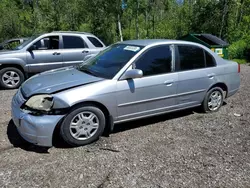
(155, 114)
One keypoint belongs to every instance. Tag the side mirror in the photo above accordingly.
(132, 74)
(31, 48)
(1, 47)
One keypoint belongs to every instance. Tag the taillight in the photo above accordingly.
(238, 68)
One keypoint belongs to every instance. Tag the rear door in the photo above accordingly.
(46, 55)
(195, 74)
(74, 50)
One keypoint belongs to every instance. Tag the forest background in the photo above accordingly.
(139, 19)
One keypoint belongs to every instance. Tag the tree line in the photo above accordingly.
(110, 21)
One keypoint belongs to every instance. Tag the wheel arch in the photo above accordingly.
(109, 124)
(93, 103)
(9, 65)
(221, 85)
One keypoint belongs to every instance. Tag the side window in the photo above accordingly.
(157, 60)
(191, 57)
(95, 42)
(48, 43)
(210, 62)
(38, 44)
(70, 42)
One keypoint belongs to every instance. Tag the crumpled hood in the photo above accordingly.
(56, 80)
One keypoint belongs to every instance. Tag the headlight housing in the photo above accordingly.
(40, 103)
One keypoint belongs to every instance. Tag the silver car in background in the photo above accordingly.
(11, 43)
(45, 52)
(127, 81)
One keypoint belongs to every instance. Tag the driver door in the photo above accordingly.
(155, 92)
(46, 55)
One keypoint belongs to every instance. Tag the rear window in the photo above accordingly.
(95, 42)
(73, 42)
(191, 57)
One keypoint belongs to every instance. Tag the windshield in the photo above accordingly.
(107, 63)
(25, 43)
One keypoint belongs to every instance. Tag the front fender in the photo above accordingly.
(103, 93)
(14, 61)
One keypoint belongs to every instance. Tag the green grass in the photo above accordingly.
(240, 61)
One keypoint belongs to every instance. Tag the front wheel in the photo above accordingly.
(213, 100)
(83, 125)
(11, 78)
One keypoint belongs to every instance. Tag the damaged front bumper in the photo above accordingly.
(34, 129)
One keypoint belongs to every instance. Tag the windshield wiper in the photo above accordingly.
(89, 72)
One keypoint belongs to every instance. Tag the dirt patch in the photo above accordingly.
(183, 149)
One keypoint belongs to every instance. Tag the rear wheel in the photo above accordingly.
(213, 100)
(11, 78)
(83, 125)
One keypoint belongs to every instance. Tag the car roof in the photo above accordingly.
(21, 38)
(72, 32)
(18, 38)
(146, 42)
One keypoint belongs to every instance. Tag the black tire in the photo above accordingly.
(205, 106)
(65, 126)
(16, 71)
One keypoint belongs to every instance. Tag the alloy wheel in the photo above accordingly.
(84, 125)
(11, 78)
(215, 100)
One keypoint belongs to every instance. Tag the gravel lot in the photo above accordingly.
(184, 149)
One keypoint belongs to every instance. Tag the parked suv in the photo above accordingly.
(44, 52)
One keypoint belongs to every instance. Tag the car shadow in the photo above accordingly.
(152, 120)
(18, 142)
(157, 119)
(58, 141)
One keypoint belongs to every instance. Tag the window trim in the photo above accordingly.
(172, 66)
(43, 44)
(84, 43)
(214, 61)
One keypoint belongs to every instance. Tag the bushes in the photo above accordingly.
(240, 61)
(239, 50)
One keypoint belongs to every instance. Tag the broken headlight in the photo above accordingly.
(40, 103)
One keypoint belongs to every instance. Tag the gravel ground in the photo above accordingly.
(184, 149)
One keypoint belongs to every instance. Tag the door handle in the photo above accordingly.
(211, 76)
(56, 53)
(85, 51)
(169, 82)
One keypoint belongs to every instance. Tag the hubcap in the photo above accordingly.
(215, 101)
(84, 125)
(11, 78)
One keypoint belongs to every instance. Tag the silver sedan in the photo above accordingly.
(127, 81)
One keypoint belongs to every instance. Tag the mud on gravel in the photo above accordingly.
(183, 149)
